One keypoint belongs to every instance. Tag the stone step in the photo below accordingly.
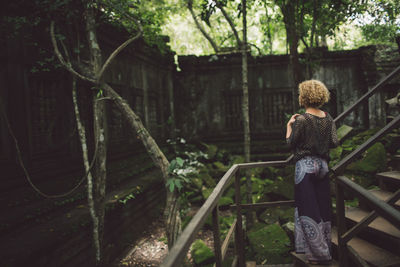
(382, 195)
(385, 195)
(389, 181)
(300, 260)
(380, 232)
(373, 255)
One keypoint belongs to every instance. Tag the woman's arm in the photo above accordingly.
(289, 125)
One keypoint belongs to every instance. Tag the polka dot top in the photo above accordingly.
(313, 136)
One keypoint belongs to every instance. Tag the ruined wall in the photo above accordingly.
(210, 88)
(39, 231)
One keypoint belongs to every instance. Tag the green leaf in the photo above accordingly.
(179, 161)
(178, 184)
(171, 187)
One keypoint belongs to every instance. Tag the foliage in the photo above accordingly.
(383, 21)
(185, 164)
(201, 253)
(270, 244)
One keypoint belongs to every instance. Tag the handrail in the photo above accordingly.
(382, 208)
(379, 207)
(339, 167)
(368, 94)
(179, 250)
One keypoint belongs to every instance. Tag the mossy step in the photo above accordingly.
(389, 180)
(373, 255)
(301, 261)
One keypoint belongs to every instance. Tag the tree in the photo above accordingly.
(310, 22)
(93, 73)
(209, 8)
(384, 23)
(83, 59)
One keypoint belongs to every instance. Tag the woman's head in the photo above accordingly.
(313, 93)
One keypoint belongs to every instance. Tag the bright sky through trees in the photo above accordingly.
(380, 24)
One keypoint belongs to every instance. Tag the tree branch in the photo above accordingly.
(119, 49)
(202, 30)
(67, 65)
(228, 18)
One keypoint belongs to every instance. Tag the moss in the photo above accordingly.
(284, 187)
(278, 214)
(202, 254)
(206, 178)
(220, 166)
(343, 131)
(211, 151)
(197, 182)
(335, 153)
(374, 160)
(206, 192)
(230, 192)
(270, 243)
(237, 159)
(225, 201)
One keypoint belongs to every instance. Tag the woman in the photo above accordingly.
(310, 135)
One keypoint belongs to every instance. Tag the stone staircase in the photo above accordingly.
(379, 243)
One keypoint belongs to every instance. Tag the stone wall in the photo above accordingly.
(39, 231)
(208, 92)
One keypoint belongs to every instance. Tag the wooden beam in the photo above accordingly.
(289, 203)
(339, 168)
(186, 238)
(217, 240)
(227, 240)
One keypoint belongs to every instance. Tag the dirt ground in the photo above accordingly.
(151, 248)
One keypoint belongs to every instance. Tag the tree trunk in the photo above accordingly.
(93, 75)
(289, 11)
(100, 130)
(246, 117)
(99, 114)
(82, 138)
(171, 213)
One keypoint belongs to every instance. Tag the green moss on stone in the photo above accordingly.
(374, 160)
(206, 178)
(211, 151)
(274, 215)
(225, 201)
(202, 254)
(270, 243)
(343, 131)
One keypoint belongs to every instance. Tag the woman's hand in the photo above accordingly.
(292, 119)
(289, 125)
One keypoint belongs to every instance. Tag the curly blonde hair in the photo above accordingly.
(313, 93)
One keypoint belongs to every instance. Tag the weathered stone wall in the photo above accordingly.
(208, 92)
(38, 231)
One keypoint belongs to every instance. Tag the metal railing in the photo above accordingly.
(179, 251)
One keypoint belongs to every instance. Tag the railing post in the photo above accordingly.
(239, 227)
(217, 240)
(341, 225)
